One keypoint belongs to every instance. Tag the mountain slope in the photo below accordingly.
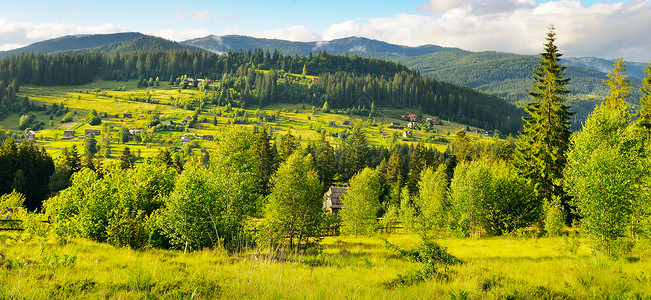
(111, 43)
(74, 43)
(351, 45)
(143, 43)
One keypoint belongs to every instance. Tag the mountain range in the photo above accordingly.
(504, 74)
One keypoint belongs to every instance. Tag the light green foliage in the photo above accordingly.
(432, 202)
(207, 207)
(13, 199)
(361, 203)
(114, 208)
(489, 196)
(294, 212)
(608, 167)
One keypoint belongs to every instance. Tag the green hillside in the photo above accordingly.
(352, 45)
(74, 43)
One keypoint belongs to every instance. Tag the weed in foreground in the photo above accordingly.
(434, 260)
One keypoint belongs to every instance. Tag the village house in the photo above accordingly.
(186, 139)
(332, 199)
(134, 131)
(407, 133)
(30, 134)
(345, 122)
(411, 124)
(412, 117)
(394, 124)
(292, 120)
(127, 115)
(208, 137)
(332, 123)
(68, 133)
(90, 131)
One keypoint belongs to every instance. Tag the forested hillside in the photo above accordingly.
(257, 77)
(350, 45)
(74, 43)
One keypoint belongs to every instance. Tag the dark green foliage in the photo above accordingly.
(540, 152)
(355, 153)
(267, 160)
(27, 169)
(126, 159)
(93, 118)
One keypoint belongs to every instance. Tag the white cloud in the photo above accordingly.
(196, 15)
(181, 35)
(603, 30)
(295, 33)
(15, 34)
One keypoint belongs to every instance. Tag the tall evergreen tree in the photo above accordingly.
(267, 159)
(540, 152)
(356, 153)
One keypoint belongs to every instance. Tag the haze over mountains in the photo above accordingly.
(504, 74)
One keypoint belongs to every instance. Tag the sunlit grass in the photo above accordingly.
(108, 97)
(344, 267)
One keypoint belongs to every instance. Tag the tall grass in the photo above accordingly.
(341, 268)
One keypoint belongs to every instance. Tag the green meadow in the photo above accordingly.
(116, 98)
(343, 267)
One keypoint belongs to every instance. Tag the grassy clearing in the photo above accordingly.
(110, 97)
(343, 268)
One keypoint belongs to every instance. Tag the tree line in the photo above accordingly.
(257, 77)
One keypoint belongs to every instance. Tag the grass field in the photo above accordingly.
(343, 268)
(113, 98)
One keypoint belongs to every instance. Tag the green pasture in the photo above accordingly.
(117, 98)
(343, 267)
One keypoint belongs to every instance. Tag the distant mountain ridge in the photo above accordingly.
(506, 75)
(123, 42)
(350, 45)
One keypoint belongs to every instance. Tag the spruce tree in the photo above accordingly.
(540, 153)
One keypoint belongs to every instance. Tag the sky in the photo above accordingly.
(599, 28)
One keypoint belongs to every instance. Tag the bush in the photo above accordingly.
(490, 196)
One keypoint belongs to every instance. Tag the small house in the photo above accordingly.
(68, 133)
(148, 146)
(30, 134)
(407, 133)
(186, 139)
(412, 117)
(208, 137)
(184, 122)
(203, 150)
(332, 199)
(332, 123)
(395, 124)
(345, 122)
(411, 124)
(292, 120)
(127, 115)
(90, 131)
(134, 131)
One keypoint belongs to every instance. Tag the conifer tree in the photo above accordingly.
(540, 152)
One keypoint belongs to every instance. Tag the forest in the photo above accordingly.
(266, 197)
(259, 78)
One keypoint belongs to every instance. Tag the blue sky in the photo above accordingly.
(502, 25)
